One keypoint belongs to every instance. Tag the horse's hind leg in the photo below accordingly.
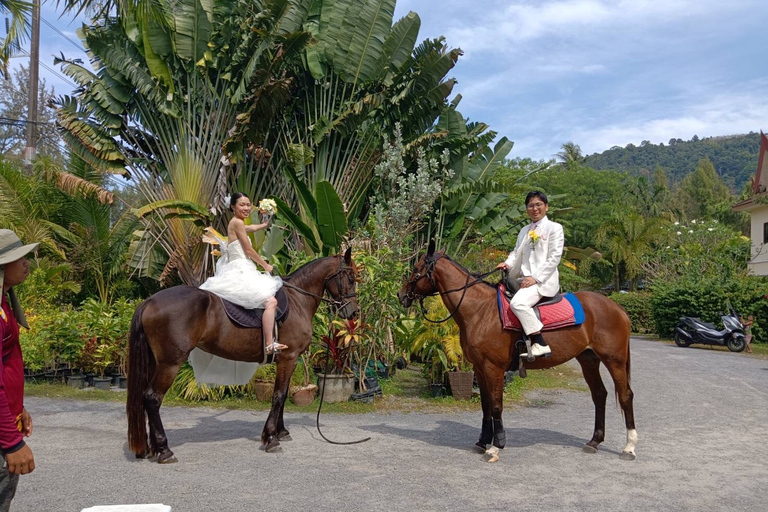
(153, 399)
(486, 430)
(269, 436)
(590, 367)
(491, 378)
(619, 371)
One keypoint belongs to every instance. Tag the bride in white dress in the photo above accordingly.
(238, 280)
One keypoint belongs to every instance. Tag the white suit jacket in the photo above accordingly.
(540, 259)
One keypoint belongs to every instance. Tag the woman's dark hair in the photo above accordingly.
(233, 200)
(536, 193)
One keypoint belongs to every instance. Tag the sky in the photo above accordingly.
(599, 73)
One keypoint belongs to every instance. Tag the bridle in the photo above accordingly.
(427, 272)
(339, 302)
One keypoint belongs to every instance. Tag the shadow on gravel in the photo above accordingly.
(212, 429)
(451, 434)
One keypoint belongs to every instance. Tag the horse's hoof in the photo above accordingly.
(479, 447)
(284, 436)
(167, 458)
(142, 455)
(273, 446)
(492, 454)
(589, 449)
(627, 456)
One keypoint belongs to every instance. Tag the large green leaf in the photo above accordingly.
(193, 28)
(331, 220)
(372, 26)
(399, 43)
(294, 221)
(305, 195)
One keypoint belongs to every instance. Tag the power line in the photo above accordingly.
(62, 34)
(62, 77)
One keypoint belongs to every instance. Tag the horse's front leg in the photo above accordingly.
(486, 430)
(493, 382)
(269, 436)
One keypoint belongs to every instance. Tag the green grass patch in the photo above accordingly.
(406, 391)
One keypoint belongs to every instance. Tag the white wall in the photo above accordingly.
(759, 263)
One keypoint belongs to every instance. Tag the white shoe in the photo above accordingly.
(538, 351)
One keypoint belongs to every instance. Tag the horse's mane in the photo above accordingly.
(306, 270)
(476, 275)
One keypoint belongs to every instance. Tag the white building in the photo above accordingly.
(757, 206)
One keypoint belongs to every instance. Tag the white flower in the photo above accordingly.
(677, 223)
(693, 221)
(667, 247)
(710, 229)
(268, 205)
(690, 231)
(679, 233)
(227, 201)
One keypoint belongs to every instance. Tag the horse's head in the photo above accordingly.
(342, 286)
(421, 283)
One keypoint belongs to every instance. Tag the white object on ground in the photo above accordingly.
(154, 507)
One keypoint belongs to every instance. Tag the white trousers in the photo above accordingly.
(522, 305)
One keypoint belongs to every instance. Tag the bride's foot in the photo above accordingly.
(275, 348)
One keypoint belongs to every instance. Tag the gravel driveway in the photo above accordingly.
(701, 417)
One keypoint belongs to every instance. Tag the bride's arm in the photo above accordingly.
(252, 228)
(245, 242)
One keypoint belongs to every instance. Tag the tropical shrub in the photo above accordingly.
(638, 307)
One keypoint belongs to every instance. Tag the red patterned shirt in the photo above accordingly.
(11, 380)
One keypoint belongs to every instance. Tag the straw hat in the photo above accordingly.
(11, 249)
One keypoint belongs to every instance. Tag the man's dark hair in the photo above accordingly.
(233, 200)
(536, 193)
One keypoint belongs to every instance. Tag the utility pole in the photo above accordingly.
(34, 70)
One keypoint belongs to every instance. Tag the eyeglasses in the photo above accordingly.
(533, 206)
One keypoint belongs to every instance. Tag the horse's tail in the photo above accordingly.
(141, 366)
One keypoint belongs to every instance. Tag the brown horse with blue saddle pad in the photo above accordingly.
(168, 325)
(601, 337)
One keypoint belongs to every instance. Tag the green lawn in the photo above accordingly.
(406, 391)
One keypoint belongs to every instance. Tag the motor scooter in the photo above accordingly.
(692, 330)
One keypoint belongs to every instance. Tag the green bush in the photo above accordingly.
(638, 307)
(707, 299)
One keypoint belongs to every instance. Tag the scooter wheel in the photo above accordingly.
(681, 341)
(736, 344)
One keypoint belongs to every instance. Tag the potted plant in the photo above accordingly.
(334, 357)
(304, 394)
(263, 382)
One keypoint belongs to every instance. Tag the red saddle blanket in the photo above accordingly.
(554, 316)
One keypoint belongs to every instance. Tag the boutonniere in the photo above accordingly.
(533, 237)
(2, 315)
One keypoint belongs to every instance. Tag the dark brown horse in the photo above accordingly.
(603, 337)
(168, 325)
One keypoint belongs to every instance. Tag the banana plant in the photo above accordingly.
(324, 223)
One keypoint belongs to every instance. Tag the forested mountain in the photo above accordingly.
(734, 157)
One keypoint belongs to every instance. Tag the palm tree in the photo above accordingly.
(570, 154)
(627, 238)
(18, 29)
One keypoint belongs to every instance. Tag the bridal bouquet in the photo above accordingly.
(267, 208)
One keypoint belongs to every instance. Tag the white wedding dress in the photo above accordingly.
(238, 280)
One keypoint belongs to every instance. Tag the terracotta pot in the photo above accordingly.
(339, 387)
(304, 395)
(461, 384)
(263, 390)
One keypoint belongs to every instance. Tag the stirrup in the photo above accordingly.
(274, 348)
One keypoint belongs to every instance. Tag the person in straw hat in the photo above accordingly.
(15, 422)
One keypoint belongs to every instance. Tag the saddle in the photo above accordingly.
(562, 310)
(251, 318)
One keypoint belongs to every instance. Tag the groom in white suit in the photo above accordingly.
(533, 264)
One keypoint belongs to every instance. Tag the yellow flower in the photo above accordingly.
(533, 236)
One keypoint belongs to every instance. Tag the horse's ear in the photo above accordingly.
(348, 256)
(431, 248)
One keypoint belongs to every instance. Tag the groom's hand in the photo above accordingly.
(503, 266)
(528, 281)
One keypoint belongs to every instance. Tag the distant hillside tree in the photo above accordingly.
(703, 195)
(734, 158)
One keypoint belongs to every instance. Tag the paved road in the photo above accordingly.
(701, 416)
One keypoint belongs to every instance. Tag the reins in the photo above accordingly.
(430, 267)
(336, 305)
